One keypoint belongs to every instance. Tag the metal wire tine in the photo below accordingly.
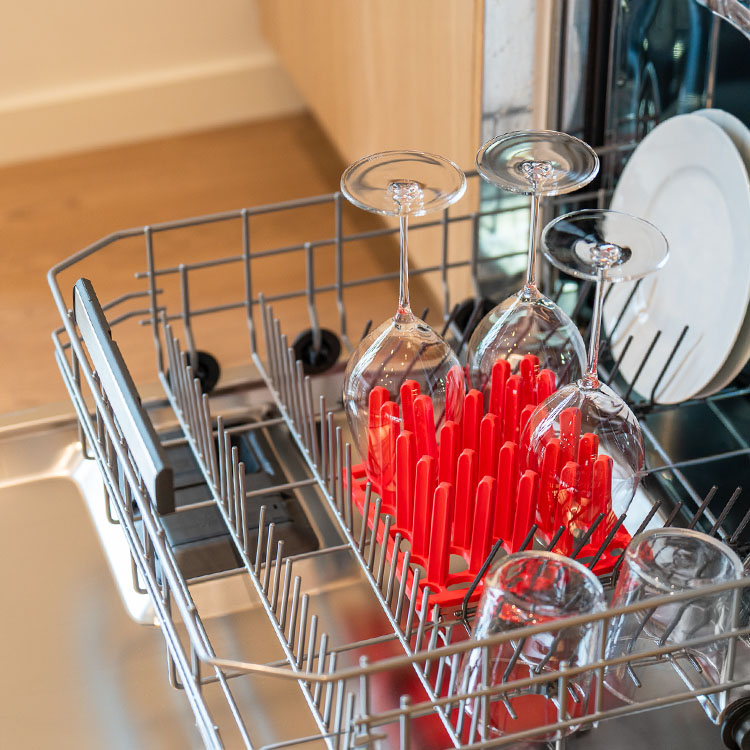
(221, 460)
(425, 313)
(259, 544)
(477, 579)
(365, 517)
(242, 517)
(374, 534)
(743, 523)
(302, 630)
(555, 539)
(667, 362)
(452, 676)
(474, 720)
(331, 456)
(349, 498)
(698, 513)
(432, 643)
(451, 317)
(327, 704)
(190, 398)
(620, 358)
(171, 363)
(235, 486)
(393, 568)
(383, 551)
(274, 600)
(293, 611)
(583, 541)
(285, 592)
(311, 421)
(304, 414)
(200, 423)
(645, 359)
(720, 520)
(473, 319)
(608, 539)
(364, 688)
(323, 439)
(401, 596)
(462, 689)
(404, 723)
(186, 318)
(267, 318)
(346, 740)
(340, 271)
(293, 404)
(311, 644)
(529, 538)
(645, 522)
(422, 618)
(633, 676)
(281, 347)
(366, 330)
(322, 656)
(443, 661)
(209, 439)
(269, 552)
(583, 291)
(416, 574)
(673, 515)
(621, 314)
(340, 471)
(513, 659)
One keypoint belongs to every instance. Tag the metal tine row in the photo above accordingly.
(296, 625)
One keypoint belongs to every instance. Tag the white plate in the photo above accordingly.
(737, 359)
(688, 179)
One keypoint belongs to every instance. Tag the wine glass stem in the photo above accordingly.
(533, 224)
(590, 378)
(403, 291)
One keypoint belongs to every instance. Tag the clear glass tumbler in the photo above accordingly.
(530, 588)
(660, 562)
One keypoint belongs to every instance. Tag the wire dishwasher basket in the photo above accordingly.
(375, 664)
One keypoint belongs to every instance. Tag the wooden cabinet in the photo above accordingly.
(385, 74)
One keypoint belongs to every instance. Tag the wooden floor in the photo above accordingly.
(52, 209)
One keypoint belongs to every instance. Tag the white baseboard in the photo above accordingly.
(143, 107)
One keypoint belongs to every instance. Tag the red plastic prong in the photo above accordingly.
(424, 488)
(455, 387)
(489, 438)
(545, 385)
(528, 368)
(588, 449)
(548, 486)
(570, 431)
(466, 482)
(438, 558)
(500, 374)
(601, 496)
(567, 505)
(406, 464)
(447, 451)
(409, 391)
(481, 535)
(507, 485)
(472, 416)
(526, 502)
(378, 396)
(526, 413)
(391, 427)
(512, 408)
(425, 425)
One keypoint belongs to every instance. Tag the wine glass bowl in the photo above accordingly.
(599, 245)
(535, 163)
(404, 349)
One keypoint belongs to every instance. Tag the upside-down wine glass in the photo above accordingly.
(599, 245)
(403, 184)
(535, 163)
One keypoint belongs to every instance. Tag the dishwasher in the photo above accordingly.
(228, 514)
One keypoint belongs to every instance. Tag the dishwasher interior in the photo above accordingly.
(228, 514)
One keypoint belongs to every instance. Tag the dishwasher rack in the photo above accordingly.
(115, 432)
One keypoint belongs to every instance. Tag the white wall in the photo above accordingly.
(87, 73)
